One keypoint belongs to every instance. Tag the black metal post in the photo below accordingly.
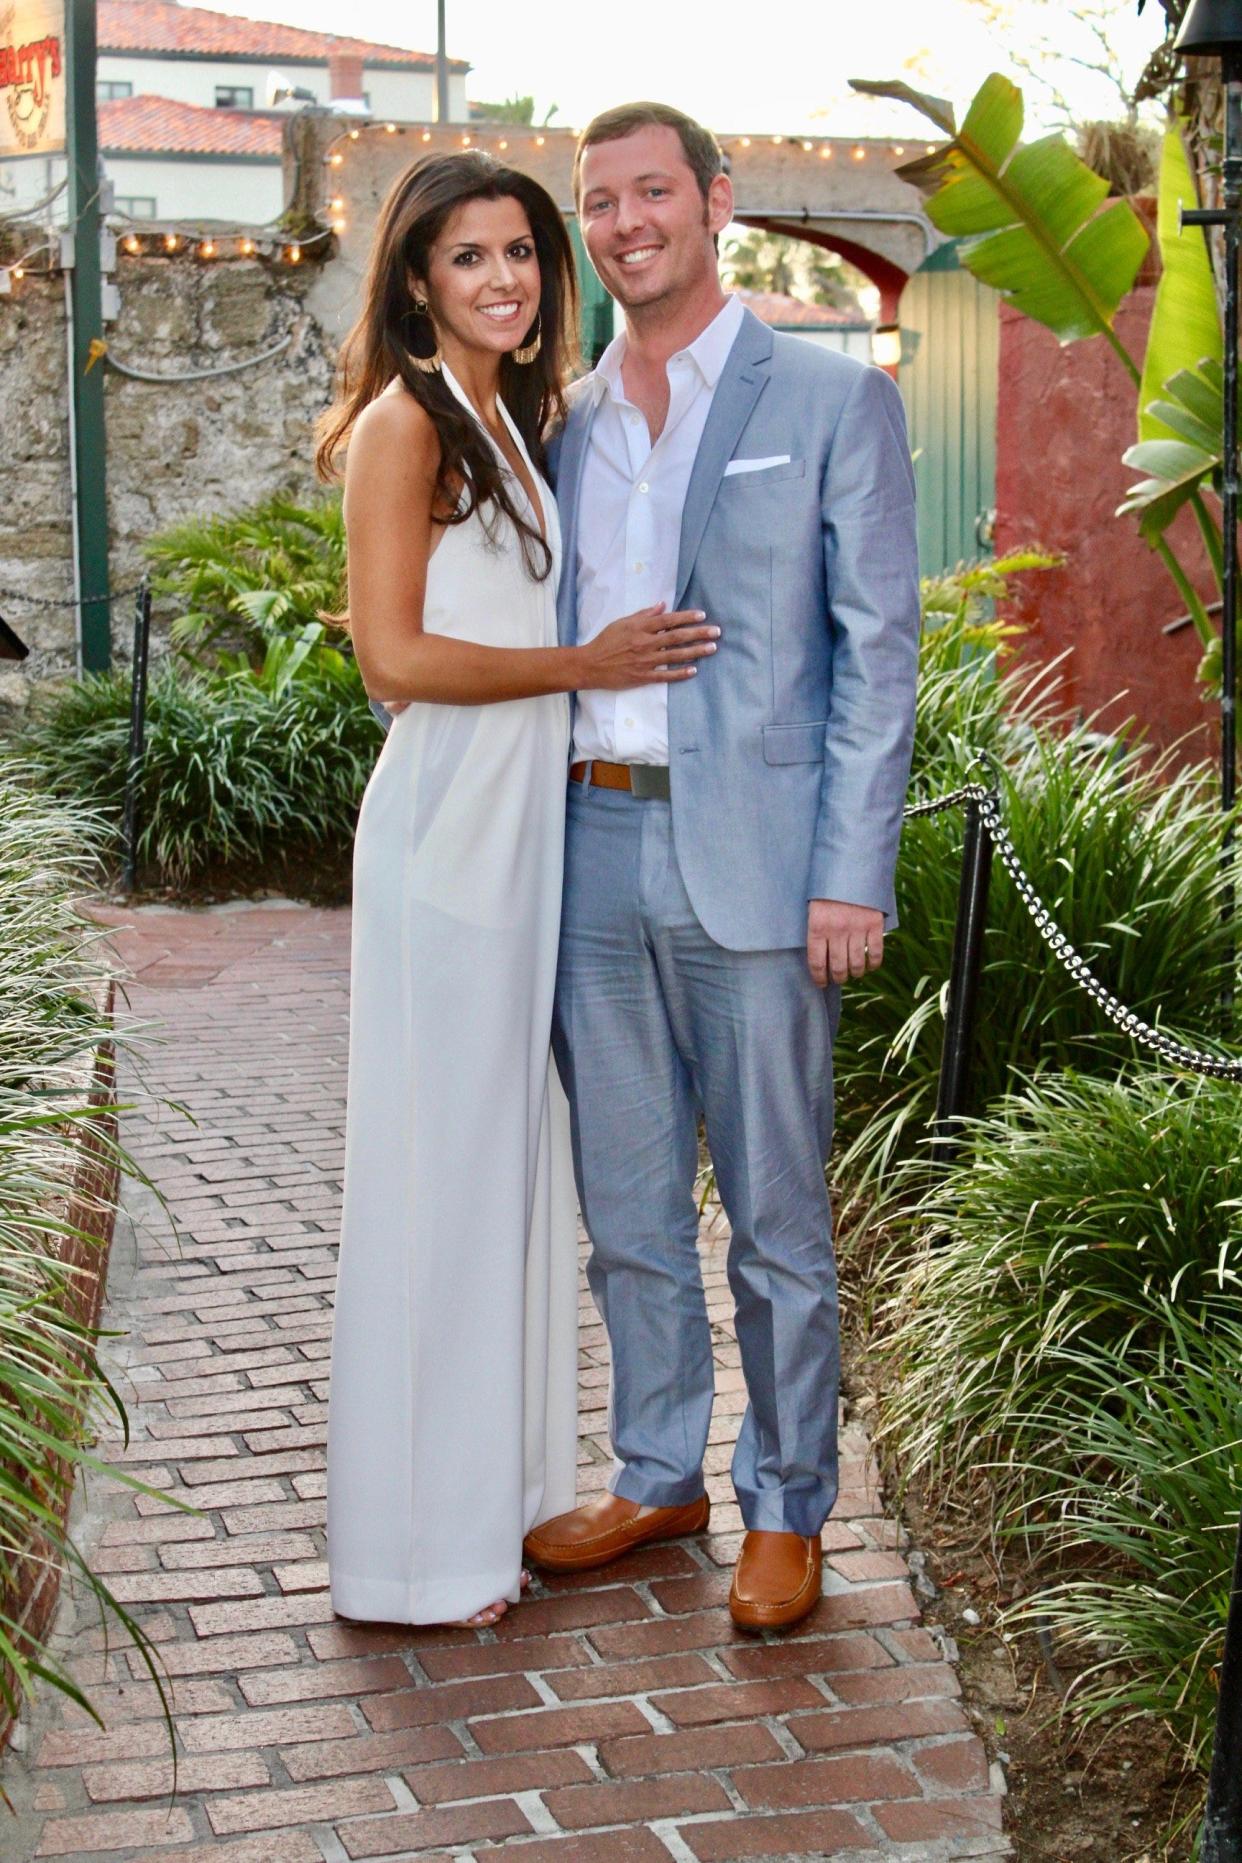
(130, 825)
(1229, 218)
(1222, 1824)
(957, 1054)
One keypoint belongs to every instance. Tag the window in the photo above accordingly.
(234, 97)
(135, 206)
(107, 90)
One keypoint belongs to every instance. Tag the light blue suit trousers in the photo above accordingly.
(654, 1024)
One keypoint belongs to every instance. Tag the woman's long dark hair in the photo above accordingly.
(378, 348)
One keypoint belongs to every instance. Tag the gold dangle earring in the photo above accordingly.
(529, 351)
(427, 365)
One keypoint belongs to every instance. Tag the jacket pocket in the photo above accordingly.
(767, 475)
(794, 743)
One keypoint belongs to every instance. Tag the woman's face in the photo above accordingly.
(482, 282)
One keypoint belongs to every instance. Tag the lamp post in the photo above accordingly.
(1213, 29)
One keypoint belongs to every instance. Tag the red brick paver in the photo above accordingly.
(615, 1717)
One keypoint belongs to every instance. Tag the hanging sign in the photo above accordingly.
(32, 77)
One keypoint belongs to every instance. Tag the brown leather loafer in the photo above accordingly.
(778, 1580)
(605, 1528)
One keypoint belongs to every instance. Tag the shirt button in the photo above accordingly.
(643, 486)
(629, 724)
(638, 567)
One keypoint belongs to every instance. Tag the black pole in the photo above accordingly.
(137, 721)
(952, 1098)
(443, 111)
(1222, 1824)
(1231, 71)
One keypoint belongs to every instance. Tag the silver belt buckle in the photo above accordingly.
(650, 782)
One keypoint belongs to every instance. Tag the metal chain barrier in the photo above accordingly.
(69, 601)
(1193, 1060)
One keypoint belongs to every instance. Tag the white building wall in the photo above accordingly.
(405, 96)
(247, 192)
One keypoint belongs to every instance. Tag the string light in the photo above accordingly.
(19, 271)
(503, 143)
(778, 139)
(826, 152)
(390, 127)
(247, 248)
(808, 145)
(899, 148)
(132, 243)
(208, 249)
(353, 134)
(171, 242)
(465, 142)
(336, 204)
(336, 158)
(746, 142)
(539, 141)
(338, 226)
(426, 135)
(860, 155)
(295, 255)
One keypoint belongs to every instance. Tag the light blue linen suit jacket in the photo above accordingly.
(789, 754)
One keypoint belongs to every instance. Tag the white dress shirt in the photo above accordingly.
(629, 527)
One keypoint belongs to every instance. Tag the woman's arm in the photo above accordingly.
(390, 480)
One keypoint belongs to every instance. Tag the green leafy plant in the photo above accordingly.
(1037, 224)
(1123, 848)
(1079, 1210)
(53, 1387)
(1147, 1522)
(240, 579)
(239, 765)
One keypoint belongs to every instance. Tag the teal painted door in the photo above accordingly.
(950, 335)
(595, 327)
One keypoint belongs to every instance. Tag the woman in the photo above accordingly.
(452, 1420)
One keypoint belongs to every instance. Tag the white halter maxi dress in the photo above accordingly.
(452, 1424)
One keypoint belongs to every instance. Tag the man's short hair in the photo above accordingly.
(702, 151)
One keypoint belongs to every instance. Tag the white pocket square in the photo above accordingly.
(756, 465)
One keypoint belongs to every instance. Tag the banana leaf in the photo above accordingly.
(1033, 217)
(1185, 324)
(1190, 413)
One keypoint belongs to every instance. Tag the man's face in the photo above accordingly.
(646, 226)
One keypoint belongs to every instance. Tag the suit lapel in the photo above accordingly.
(570, 460)
(742, 381)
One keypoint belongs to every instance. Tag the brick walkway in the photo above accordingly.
(615, 1718)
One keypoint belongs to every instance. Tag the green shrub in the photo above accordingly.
(52, 1387)
(238, 765)
(1080, 1213)
(274, 567)
(1122, 847)
(1149, 1521)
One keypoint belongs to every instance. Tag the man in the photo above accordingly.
(730, 849)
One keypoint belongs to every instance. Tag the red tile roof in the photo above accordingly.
(163, 26)
(775, 307)
(159, 126)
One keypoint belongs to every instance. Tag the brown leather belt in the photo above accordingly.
(648, 780)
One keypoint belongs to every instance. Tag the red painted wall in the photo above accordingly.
(1065, 417)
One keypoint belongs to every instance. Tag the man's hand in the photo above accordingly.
(842, 941)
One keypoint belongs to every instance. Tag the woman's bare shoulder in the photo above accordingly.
(394, 430)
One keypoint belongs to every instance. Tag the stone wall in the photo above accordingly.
(176, 450)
